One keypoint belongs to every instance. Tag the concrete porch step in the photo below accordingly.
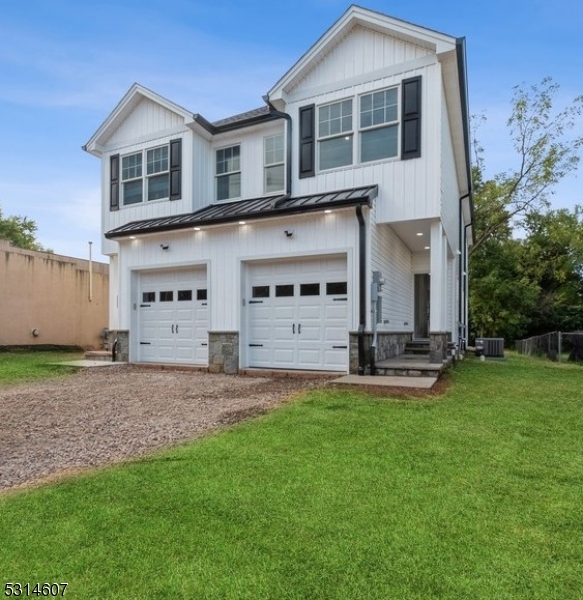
(409, 365)
(417, 347)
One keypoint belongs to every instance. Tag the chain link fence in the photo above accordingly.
(556, 345)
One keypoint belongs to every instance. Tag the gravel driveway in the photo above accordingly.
(105, 415)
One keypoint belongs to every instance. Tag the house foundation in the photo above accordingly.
(389, 345)
(223, 352)
(438, 342)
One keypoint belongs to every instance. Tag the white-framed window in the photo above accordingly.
(273, 164)
(157, 173)
(335, 135)
(228, 172)
(379, 125)
(155, 185)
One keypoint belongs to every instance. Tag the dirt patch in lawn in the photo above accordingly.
(101, 416)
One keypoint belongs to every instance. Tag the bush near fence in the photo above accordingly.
(553, 345)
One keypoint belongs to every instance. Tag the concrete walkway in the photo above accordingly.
(384, 381)
(89, 363)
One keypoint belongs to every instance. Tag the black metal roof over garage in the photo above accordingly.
(254, 208)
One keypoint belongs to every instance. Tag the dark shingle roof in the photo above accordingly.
(246, 119)
(242, 117)
(254, 208)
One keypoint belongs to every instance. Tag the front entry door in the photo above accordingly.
(422, 294)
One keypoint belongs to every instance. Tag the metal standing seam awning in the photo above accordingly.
(254, 208)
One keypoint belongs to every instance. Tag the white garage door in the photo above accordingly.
(173, 317)
(297, 314)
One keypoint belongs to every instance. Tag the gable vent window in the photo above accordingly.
(379, 125)
(146, 175)
(335, 135)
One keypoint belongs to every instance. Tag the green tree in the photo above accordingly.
(20, 232)
(503, 295)
(553, 257)
(510, 293)
(546, 151)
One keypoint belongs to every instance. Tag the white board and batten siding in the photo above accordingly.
(251, 142)
(408, 189)
(226, 249)
(391, 256)
(450, 192)
(147, 126)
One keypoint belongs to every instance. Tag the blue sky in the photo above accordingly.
(65, 64)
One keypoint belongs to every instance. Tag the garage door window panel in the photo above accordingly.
(284, 291)
(260, 291)
(167, 296)
(309, 289)
(336, 288)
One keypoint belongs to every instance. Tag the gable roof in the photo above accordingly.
(138, 92)
(449, 50)
(125, 106)
(254, 208)
(357, 16)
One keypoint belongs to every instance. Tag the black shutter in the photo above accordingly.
(411, 118)
(307, 141)
(175, 169)
(114, 182)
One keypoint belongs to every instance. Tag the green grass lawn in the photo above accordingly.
(477, 494)
(17, 367)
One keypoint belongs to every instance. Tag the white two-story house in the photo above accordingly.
(254, 241)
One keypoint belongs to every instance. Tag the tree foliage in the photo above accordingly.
(546, 151)
(529, 286)
(532, 284)
(19, 231)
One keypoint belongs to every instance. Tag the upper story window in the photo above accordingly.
(150, 174)
(379, 125)
(273, 164)
(155, 185)
(228, 172)
(386, 123)
(335, 135)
